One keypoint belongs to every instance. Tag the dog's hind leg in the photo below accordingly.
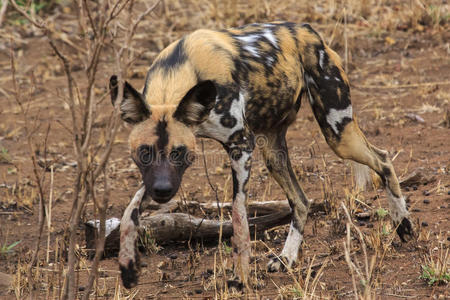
(329, 95)
(353, 145)
(277, 160)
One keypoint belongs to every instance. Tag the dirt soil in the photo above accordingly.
(400, 92)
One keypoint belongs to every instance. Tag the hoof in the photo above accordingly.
(405, 230)
(129, 275)
(277, 264)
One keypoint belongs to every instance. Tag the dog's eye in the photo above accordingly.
(177, 155)
(145, 154)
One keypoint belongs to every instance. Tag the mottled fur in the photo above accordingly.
(232, 86)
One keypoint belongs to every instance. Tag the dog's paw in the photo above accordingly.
(405, 230)
(277, 264)
(129, 274)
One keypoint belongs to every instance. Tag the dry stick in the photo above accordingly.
(101, 207)
(3, 11)
(349, 261)
(214, 188)
(49, 214)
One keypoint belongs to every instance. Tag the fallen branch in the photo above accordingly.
(168, 224)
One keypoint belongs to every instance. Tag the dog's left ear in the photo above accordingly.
(194, 108)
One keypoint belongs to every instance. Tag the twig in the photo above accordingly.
(49, 214)
(3, 12)
(214, 188)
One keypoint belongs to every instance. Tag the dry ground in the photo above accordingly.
(399, 68)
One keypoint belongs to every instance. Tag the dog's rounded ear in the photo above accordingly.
(195, 106)
(133, 107)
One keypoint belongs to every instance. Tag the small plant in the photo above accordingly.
(148, 243)
(8, 249)
(436, 270)
(4, 155)
(297, 293)
(381, 213)
(431, 277)
(385, 230)
(227, 249)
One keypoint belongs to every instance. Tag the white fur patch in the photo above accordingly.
(212, 127)
(293, 241)
(310, 81)
(397, 206)
(321, 58)
(270, 37)
(270, 60)
(252, 49)
(248, 43)
(335, 117)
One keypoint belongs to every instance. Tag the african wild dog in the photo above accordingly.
(232, 85)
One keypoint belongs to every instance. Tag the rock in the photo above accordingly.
(424, 224)
(417, 177)
(426, 201)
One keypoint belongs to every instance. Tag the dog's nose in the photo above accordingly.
(162, 189)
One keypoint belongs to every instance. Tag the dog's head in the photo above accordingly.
(162, 141)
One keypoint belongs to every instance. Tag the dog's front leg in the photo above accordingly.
(241, 157)
(128, 254)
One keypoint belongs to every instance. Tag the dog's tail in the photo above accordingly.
(328, 91)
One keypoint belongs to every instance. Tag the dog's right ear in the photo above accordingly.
(133, 107)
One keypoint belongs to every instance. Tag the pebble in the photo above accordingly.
(426, 201)
(424, 224)
(173, 256)
(415, 188)
(81, 288)
(416, 210)
(198, 291)
(426, 193)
